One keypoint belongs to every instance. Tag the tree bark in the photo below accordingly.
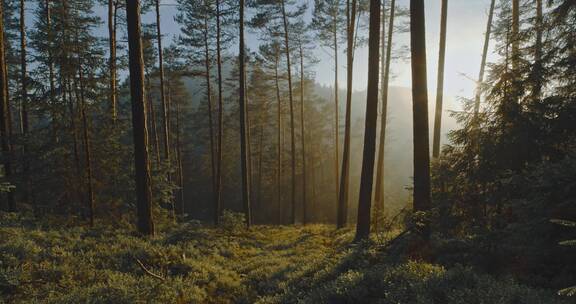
(366, 183)
(336, 108)
(5, 126)
(220, 107)
(24, 73)
(112, 60)
(440, 83)
(291, 99)
(152, 115)
(67, 96)
(420, 107)
(24, 120)
(163, 100)
(51, 76)
(217, 207)
(379, 193)
(538, 66)
(484, 58)
(303, 138)
(279, 137)
(515, 35)
(137, 92)
(180, 197)
(343, 194)
(87, 148)
(243, 137)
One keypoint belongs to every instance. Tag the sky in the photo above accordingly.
(465, 37)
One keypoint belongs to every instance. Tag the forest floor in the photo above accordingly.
(189, 263)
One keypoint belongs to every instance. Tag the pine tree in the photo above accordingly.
(366, 183)
(5, 128)
(420, 107)
(385, 66)
(142, 170)
(440, 83)
(328, 21)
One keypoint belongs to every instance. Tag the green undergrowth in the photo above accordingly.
(190, 263)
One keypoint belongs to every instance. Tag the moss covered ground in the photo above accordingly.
(190, 263)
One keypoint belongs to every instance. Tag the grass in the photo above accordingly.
(190, 263)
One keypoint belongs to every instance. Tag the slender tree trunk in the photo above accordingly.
(538, 69)
(260, 158)
(366, 183)
(420, 107)
(336, 109)
(484, 57)
(217, 207)
(142, 169)
(74, 131)
(303, 138)
(163, 100)
(153, 125)
(24, 123)
(344, 182)
(5, 127)
(87, 148)
(24, 73)
(180, 197)
(243, 110)
(112, 59)
(292, 128)
(51, 76)
(220, 107)
(515, 35)
(279, 138)
(440, 83)
(248, 141)
(379, 193)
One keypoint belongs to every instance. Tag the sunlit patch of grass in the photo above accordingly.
(197, 264)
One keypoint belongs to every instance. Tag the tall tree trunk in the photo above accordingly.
(220, 108)
(51, 77)
(303, 138)
(163, 100)
(290, 93)
(279, 138)
(243, 138)
(379, 193)
(217, 207)
(440, 83)
(24, 123)
(180, 197)
(153, 125)
(336, 108)
(24, 73)
(180, 166)
(366, 183)
(515, 35)
(420, 107)
(87, 148)
(538, 66)
(142, 169)
(74, 130)
(112, 60)
(344, 182)
(260, 167)
(5, 126)
(248, 142)
(484, 58)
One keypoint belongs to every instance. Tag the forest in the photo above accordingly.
(288, 151)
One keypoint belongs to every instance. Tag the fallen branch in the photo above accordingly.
(161, 278)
